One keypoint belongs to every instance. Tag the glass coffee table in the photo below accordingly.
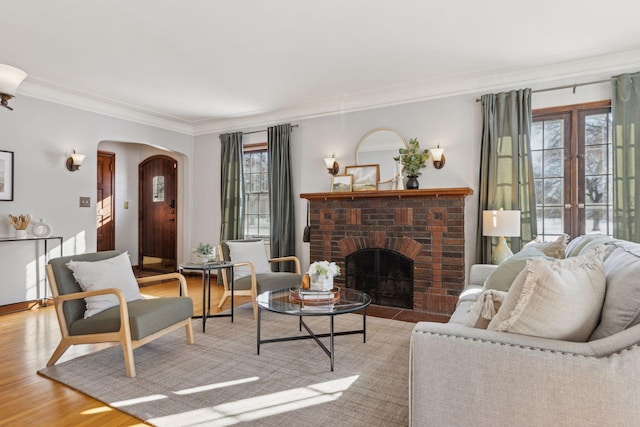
(278, 301)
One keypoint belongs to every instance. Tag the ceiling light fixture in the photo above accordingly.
(10, 79)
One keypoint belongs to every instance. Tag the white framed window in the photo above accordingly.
(256, 184)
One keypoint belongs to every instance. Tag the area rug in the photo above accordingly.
(221, 380)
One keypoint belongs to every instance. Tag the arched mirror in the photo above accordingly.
(380, 146)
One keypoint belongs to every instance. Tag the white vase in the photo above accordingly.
(21, 234)
(322, 283)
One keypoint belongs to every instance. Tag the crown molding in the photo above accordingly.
(489, 80)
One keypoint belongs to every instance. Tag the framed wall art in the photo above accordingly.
(341, 183)
(6, 175)
(365, 177)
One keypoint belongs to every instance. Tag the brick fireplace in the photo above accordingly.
(425, 226)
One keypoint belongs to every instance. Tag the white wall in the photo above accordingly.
(42, 135)
(455, 123)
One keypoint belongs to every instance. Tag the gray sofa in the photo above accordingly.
(463, 376)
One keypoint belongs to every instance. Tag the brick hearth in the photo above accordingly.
(426, 226)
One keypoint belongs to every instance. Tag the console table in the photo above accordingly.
(46, 253)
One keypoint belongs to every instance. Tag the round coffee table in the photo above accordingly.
(278, 301)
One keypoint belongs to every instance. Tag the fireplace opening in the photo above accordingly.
(385, 275)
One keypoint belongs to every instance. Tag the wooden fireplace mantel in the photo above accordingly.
(396, 194)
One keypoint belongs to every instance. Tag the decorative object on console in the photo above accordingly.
(41, 228)
(20, 224)
(204, 252)
(341, 183)
(378, 146)
(501, 223)
(10, 79)
(74, 161)
(322, 274)
(331, 164)
(6, 176)
(437, 155)
(413, 160)
(365, 177)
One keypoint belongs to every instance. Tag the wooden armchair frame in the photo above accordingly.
(123, 335)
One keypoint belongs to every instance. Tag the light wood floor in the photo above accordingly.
(28, 340)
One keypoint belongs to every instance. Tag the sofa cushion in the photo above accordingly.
(114, 272)
(554, 249)
(559, 299)
(621, 308)
(484, 309)
(501, 278)
(583, 244)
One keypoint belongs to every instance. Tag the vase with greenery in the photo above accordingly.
(413, 160)
(204, 252)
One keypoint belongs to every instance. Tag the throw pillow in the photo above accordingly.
(621, 309)
(114, 272)
(485, 307)
(559, 299)
(251, 251)
(501, 278)
(555, 249)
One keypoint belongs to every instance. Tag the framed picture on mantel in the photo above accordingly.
(365, 177)
(6, 175)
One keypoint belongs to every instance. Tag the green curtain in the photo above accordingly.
(506, 172)
(232, 191)
(282, 235)
(625, 109)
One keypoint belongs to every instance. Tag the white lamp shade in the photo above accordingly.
(77, 159)
(501, 223)
(328, 161)
(436, 153)
(10, 79)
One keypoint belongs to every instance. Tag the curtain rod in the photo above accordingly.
(263, 130)
(574, 86)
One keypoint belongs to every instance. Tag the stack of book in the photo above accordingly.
(307, 296)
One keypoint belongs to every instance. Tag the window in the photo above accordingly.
(256, 184)
(572, 164)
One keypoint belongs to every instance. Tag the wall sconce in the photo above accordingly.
(331, 164)
(437, 154)
(499, 224)
(75, 161)
(10, 79)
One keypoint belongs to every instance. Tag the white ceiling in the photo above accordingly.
(199, 66)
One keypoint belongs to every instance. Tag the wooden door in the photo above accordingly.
(105, 204)
(157, 181)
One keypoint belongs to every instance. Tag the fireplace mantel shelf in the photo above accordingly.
(398, 194)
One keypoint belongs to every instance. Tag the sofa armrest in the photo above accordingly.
(478, 273)
(467, 376)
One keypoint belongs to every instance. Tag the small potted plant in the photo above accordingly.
(413, 160)
(322, 274)
(204, 252)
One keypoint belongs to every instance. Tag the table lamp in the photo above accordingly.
(501, 223)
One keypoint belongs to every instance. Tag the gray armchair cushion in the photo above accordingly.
(146, 317)
(270, 281)
(67, 284)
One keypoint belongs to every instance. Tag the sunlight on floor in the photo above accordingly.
(97, 410)
(215, 386)
(131, 402)
(262, 406)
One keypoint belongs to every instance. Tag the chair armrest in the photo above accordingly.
(497, 375)
(288, 258)
(167, 276)
(80, 295)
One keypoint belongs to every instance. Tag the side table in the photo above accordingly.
(205, 269)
